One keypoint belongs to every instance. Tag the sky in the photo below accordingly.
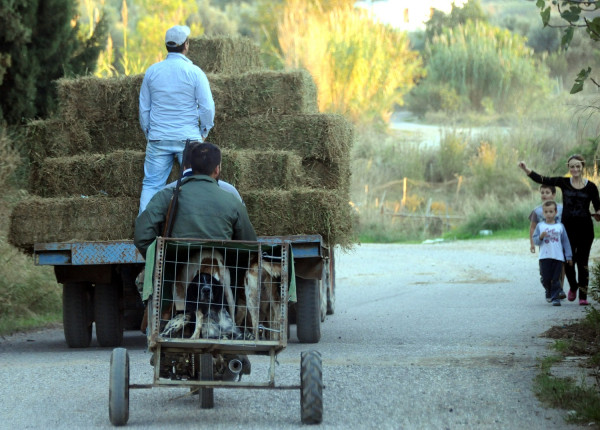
(393, 12)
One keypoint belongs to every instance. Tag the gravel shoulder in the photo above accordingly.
(440, 335)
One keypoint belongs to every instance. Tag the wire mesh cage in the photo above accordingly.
(229, 293)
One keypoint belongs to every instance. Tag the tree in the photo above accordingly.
(477, 66)
(573, 14)
(39, 44)
(362, 68)
(471, 11)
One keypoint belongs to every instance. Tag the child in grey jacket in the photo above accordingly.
(555, 249)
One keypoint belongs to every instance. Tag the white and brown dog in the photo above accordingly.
(262, 299)
(201, 270)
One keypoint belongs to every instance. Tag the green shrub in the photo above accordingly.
(9, 158)
(480, 61)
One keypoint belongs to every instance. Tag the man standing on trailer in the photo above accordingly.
(175, 104)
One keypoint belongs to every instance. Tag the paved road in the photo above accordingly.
(430, 336)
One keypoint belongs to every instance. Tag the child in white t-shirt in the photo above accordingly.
(555, 249)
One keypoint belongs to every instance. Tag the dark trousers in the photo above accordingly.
(550, 271)
(581, 236)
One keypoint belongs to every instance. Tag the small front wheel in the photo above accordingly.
(118, 394)
(311, 386)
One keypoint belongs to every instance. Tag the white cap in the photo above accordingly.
(177, 35)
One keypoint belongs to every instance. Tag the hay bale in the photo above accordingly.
(117, 174)
(98, 100)
(264, 92)
(273, 212)
(302, 211)
(120, 173)
(312, 136)
(258, 170)
(38, 220)
(326, 137)
(331, 175)
(108, 136)
(95, 99)
(225, 54)
(56, 138)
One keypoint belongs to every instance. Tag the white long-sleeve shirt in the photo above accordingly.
(175, 100)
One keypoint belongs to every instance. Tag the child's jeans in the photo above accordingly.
(550, 271)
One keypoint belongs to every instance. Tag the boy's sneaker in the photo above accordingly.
(562, 295)
(571, 296)
(555, 302)
(583, 303)
(548, 299)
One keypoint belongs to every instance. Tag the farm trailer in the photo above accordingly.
(99, 286)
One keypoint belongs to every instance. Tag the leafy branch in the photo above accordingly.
(573, 13)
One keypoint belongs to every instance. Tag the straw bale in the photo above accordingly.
(225, 54)
(56, 138)
(251, 170)
(302, 211)
(326, 174)
(273, 212)
(120, 173)
(39, 220)
(100, 99)
(326, 137)
(108, 136)
(264, 92)
(96, 100)
(316, 136)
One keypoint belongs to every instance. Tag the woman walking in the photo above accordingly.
(578, 192)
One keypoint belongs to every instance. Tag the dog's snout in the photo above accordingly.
(206, 290)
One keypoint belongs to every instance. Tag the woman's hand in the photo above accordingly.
(596, 216)
(523, 167)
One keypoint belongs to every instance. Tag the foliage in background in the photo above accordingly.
(39, 43)
(362, 68)
(9, 158)
(479, 67)
(470, 11)
(29, 295)
(573, 14)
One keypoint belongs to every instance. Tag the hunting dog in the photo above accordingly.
(202, 286)
(262, 298)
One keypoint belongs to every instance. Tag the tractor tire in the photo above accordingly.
(78, 315)
(108, 313)
(308, 310)
(331, 285)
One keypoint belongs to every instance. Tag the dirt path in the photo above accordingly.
(430, 336)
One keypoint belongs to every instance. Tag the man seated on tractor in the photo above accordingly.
(204, 210)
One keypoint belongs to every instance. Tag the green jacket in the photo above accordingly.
(204, 211)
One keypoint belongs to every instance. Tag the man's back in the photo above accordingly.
(204, 211)
(175, 95)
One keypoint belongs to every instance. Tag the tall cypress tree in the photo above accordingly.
(39, 44)
(17, 86)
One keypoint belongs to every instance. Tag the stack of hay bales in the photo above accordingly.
(289, 162)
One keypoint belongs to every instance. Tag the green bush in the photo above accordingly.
(479, 61)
